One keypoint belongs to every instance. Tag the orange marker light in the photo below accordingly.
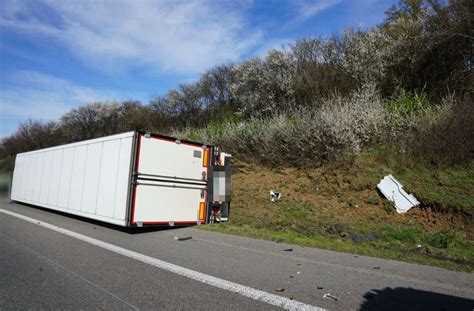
(205, 158)
(201, 211)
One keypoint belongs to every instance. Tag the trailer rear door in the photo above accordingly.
(170, 183)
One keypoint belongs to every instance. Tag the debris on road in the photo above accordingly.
(329, 296)
(320, 287)
(274, 196)
(288, 249)
(279, 289)
(292, 276)
(392, 190)
(376, 268)
(184, 238)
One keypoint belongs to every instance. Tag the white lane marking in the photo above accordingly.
(243, 290)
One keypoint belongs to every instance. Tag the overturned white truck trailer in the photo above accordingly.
(130, 179)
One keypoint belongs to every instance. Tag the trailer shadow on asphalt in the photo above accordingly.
(402, 298)
(98, 223)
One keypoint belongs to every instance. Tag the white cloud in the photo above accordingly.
(177, 36)
(30, 94)
(307, 9)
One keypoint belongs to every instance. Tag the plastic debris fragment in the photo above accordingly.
(393, 191)
(329, 296)
(275, 196)
(177, 238)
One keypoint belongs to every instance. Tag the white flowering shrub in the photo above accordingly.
(90, 121)
(338, 128)
(263, 86)
(365, 54)
(102, 119)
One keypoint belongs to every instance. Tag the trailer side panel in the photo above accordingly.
(89, 178)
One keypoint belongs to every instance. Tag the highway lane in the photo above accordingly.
(41, 268)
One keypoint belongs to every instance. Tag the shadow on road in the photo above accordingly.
(402, 298)
(129, 230)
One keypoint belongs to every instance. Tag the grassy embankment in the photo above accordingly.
(340, 209)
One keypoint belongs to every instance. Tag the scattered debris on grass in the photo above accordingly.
(392, 190)
(443, 226)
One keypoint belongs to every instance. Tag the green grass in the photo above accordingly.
(397, 244)
(409, 104)
(442, 188)
(339, 209)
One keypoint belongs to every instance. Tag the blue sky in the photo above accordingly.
(56, 55)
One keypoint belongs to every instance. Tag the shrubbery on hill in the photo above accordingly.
(406, 84)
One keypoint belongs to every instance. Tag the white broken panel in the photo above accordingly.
(393, 191)
(274, 196)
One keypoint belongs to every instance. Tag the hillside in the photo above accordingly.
(339, 208)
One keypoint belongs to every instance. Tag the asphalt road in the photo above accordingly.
(41, 268)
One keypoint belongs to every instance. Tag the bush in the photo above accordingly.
(337, 129)
(445, 135)
(31, 135)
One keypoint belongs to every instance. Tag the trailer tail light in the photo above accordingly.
(205, 158)
(202, 209)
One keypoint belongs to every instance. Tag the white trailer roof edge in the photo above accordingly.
(81, 143)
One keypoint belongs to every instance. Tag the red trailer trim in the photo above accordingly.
(137, 162)
(167, 222)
